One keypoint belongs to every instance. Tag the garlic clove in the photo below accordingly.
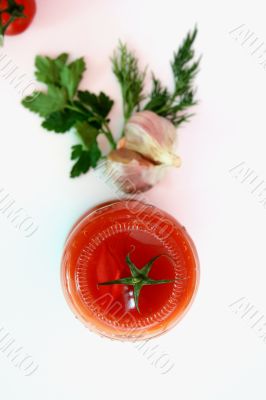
(152, 136)
(131, 172)
(125, 156)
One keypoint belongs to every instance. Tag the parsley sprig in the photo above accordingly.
(139, 277)
(63, 107)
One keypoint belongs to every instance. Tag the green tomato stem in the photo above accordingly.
(138, 278)
(15, 11)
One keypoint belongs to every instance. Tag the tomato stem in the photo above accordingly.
(15, 11)
(139, 277)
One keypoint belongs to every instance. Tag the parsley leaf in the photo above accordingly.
(64, 107)
(87, 156)
(76, 151)
(87, 133)
(95, 154)
(48, 70)
(100, 105)
(46, 103)
(71, 76)
(62, 121)
(83, 163)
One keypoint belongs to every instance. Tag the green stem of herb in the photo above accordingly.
(124, 104)
(107, 132)
(125, 114)
(73, 108)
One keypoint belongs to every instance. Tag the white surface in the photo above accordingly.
(216, 354)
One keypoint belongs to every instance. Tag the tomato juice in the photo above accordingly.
(96, 251)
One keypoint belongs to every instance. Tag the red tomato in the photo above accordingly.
(96, 251)
(20, 24)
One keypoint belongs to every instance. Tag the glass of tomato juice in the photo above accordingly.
(129, 270)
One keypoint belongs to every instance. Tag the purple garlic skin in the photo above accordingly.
(131, 172)
(144, 154)
(153, 137)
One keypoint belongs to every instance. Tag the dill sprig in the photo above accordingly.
(172, 105)
(131, 79)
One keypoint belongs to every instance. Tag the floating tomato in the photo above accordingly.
(104, 278)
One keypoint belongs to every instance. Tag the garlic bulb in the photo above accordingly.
(152, 136)
(144, 154)
(131, 172)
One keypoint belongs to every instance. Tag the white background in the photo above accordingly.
(216, 353)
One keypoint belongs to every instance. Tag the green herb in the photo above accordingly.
(15, 11)
(63, 107)
(88, 154)
(172, 105)
(138, 278)
(131, 79)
